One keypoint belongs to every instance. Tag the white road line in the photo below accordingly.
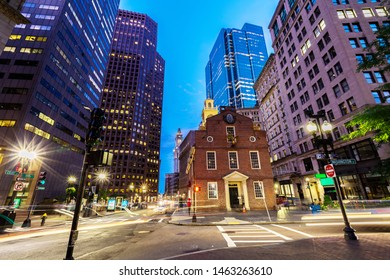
(297, 231)
(229, 241)
(251, 236)
(341, 223)
(274, 232)
(259, 241)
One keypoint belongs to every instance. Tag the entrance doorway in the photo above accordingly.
(234, 198)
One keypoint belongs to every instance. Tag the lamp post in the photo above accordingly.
(28, 156)
(308, 187)
(326, 127)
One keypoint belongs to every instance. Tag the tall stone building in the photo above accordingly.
(318, 46)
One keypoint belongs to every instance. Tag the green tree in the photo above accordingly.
(70, 192)
(374, 119)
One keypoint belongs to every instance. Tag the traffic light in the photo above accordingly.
(95, 128)
(42, 178)
(196, 189)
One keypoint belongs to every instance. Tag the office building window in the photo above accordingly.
(353, 42)
(308, 164)
(367, 12)
(343, 109)
(369, 78)
(356, 27)
(379, 77)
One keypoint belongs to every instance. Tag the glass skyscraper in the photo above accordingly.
(51, 75)
(235, 62)
(132, 100)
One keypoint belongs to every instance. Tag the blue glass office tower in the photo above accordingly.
(235, 62)
(51, 72)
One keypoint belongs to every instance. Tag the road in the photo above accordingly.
(151, 237)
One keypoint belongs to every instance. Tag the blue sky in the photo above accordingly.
(187, 30)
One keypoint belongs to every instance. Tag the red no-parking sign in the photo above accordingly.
(329, 170)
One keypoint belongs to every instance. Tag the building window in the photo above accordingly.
(347, 27)
(259, 189)
(381, 11)
(343, 109)
(230, 133)
(330, 115)
(374, 26)
(212, 189)
(367, 12)
(211, 161)
(233, 160)
(308, 164)
(351, 104)
(369, 78)
(356, 27)
(363, 42)
(255, 161)
(353, 42)
(379, 77)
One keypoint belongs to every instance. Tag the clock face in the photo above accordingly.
(229, 118)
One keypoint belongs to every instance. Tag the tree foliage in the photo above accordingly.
(374, 119)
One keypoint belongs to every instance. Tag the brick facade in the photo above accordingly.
(234, 186)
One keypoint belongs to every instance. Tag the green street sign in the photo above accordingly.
(11, 172)
(348, 161)
(320, 176)
(41, 188)
(24, 175)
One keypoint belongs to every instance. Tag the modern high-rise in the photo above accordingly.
(51, 76)
(9, 16)
(235, 62)
(318, 46)
(132, 101)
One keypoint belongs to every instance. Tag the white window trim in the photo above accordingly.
(261, 185)
(238, 165)
(258, 159)
(215, 159)
(208, 190)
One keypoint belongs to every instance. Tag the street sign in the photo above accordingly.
(320, 176)
(40, 188)
(30, 176)
(320, 156)
(329, 171)
(11, 172)
(347, 161)
(18, 187)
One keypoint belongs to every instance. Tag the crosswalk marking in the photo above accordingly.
(250, 234)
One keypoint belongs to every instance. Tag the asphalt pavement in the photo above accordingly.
(372, 246)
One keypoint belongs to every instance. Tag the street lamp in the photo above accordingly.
(308, 187)
(71, 190)
(349, 232)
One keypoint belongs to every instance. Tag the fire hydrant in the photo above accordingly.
(43, 219)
